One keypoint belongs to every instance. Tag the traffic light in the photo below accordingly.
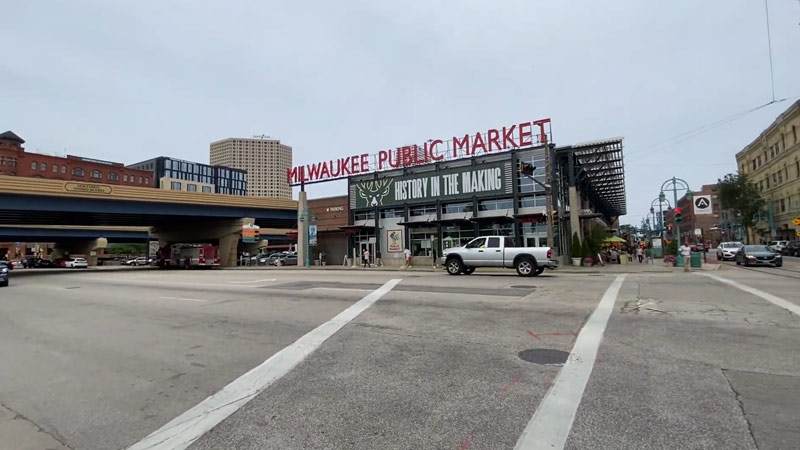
(678, 215)
(526, 169)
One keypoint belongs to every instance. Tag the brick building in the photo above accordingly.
(707, 224)
(331, 216)
(15, 161)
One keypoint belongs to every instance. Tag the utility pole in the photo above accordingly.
(549, 193)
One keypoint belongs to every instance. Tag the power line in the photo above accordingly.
(769, 45)
(677, 139)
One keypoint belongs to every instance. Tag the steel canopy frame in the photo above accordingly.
(598, 171)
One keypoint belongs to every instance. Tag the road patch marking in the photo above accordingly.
(253, 281)
(182, 431)
(184, 299)
(551, 423)
(774, 299)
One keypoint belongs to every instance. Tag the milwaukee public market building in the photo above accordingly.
(432, 197)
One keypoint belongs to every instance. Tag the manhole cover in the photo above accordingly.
(544, 356)
(522, 286)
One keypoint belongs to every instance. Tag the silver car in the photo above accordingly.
(727, 250)
(4, 274)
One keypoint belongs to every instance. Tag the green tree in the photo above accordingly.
(737, 194)
(630, 230)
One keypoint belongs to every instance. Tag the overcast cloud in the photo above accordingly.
(126, 81)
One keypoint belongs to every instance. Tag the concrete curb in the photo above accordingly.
(63, 271)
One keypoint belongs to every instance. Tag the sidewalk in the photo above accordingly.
(658, 267)
(20, 272)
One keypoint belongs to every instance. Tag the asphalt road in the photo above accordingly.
(102, 360)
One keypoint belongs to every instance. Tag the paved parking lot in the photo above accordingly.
(399, 360)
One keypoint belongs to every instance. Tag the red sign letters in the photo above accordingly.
(435, 150)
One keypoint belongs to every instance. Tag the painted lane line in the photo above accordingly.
(551, 423)
(253, 281)
(184, 299)
(182, 431)
(758, 293)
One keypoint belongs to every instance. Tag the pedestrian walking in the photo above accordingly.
(407, 254)
(686, 253)
(366, 259)
(639, 253)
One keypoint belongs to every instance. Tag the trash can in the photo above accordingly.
(696, 260)
(679, 261)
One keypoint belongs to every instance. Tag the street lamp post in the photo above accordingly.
(676, 184)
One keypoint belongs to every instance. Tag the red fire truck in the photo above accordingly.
(188, 256)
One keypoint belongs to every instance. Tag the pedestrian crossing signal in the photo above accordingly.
(526, 169)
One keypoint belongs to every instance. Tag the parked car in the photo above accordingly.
(76, 263)
(287, 259)
(140, 261)
(4, 270)
(34, 262)
(778, 245)
(497, 251)
(791, 249)
(758, 255)
(727, 250)
(8, 264)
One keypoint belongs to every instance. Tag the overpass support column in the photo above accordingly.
(228, 247)
(575, 206)
(89, 248)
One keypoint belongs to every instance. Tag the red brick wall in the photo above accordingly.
(71, 167)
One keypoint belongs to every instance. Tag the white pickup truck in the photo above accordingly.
(497, 251)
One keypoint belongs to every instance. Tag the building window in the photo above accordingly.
(207, 189)
(780, 177)
(794, 133)
(421, 242)
(97, 174)
(176, 186)
(495, 204)
(423, 210)
(33, 165)
(456, 208)
(386, 213)
(146, 180)
(783, 205)
(125, 177)
(497, 229)
(63, 169)
(113, 176)
(457, 235)
(191, 187)
(530, 202)
(43, 167)
(365, 215)
(141, 180)
(77, 171)
(55, 168)
(754, 164)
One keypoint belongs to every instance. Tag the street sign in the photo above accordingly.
(796, 221)
(251, 233)
(702, 204)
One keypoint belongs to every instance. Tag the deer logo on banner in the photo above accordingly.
(374, 191)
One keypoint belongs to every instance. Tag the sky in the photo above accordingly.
(127, 81)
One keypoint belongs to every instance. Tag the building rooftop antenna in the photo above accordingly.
(262, 136)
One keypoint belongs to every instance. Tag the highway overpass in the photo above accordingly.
(170, 216)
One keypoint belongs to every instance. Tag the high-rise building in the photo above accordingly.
(179, 175)
(266, 161)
